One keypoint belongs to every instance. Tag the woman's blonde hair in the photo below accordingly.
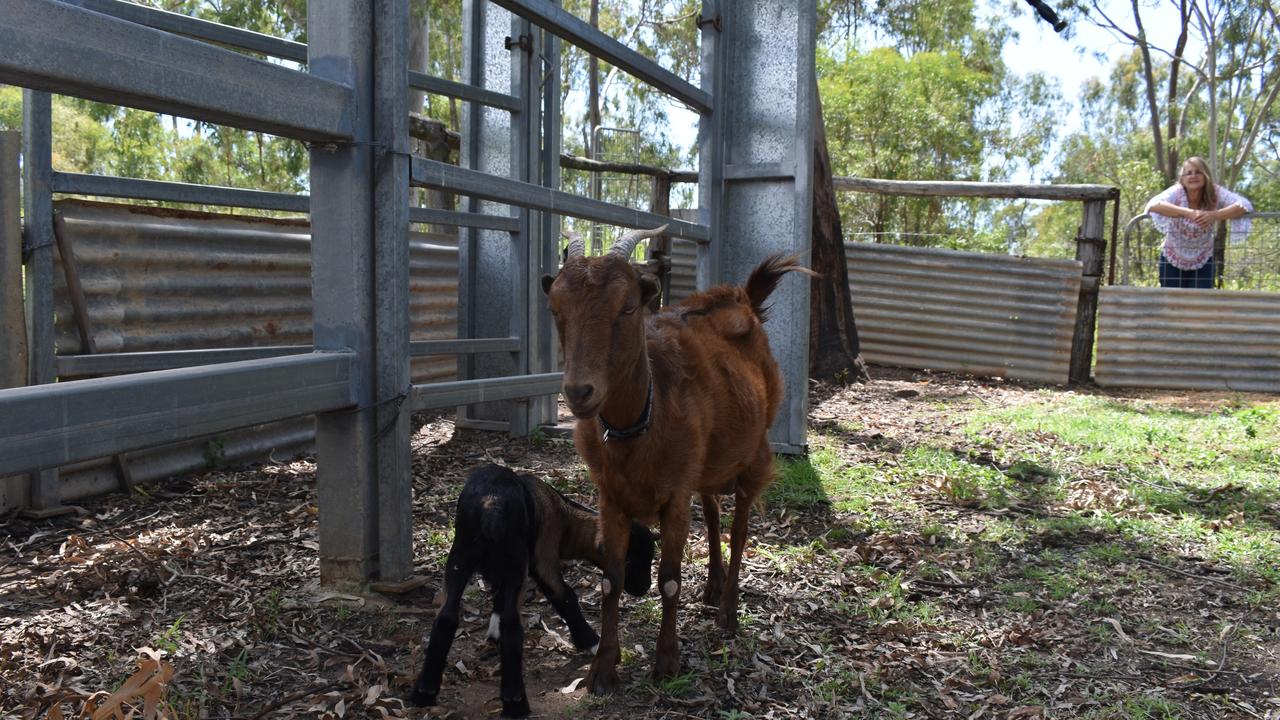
(1209, 195)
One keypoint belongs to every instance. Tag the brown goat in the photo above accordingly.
(669, 405)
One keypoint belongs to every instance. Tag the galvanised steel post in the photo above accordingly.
(489, 304)
(767, 54)
(391, 288)
(543, 256)
(524, 163)
(37, 174)
(13, 324)
(711, 128)
(535, 231)
(14, 490)
(353, 238)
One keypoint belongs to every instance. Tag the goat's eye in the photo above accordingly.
(630, 310)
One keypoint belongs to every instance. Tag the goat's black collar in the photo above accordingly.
(640, 427)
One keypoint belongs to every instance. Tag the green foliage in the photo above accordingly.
(10, 108)
(105, 139)
(940, 105)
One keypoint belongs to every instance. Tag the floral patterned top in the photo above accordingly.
(1187, 245)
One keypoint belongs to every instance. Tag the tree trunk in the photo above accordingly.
(834, 353)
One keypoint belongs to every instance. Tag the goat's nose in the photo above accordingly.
(578, 394)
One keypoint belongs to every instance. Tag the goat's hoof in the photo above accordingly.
(515, 708)
(422, 698)
(586, 641)
(602, 682)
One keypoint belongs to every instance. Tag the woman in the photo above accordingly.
(1187, 213)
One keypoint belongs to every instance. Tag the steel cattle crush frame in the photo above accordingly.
(350, 104)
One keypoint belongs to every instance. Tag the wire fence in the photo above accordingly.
(1248, 263)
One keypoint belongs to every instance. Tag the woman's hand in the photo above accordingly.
(1204, 218)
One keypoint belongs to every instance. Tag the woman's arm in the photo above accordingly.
(1230, 212)
(1233, 205)
(1168, 209)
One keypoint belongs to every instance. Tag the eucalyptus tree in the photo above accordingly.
(1215, 96)
(920, 92)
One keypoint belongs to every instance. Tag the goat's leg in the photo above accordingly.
(715, 563)
(565, 601)
(458, 570)
(615, 529)
(727, 616)
(750, 484)
(507, 591)
(675, 531)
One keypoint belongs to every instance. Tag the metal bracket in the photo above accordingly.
(714, 21)
(524, 42)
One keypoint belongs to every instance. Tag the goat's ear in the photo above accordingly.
(547, 280)
(649, 288)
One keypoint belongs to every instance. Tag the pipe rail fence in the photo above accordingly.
(345, 94)
(1248, 263)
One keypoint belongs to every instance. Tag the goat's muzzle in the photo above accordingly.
(582, 399)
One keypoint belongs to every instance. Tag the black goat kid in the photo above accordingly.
(508, 527)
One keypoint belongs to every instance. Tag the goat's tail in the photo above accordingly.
(765, 278)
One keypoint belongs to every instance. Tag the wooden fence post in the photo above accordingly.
(1091, 252)
(660, 246)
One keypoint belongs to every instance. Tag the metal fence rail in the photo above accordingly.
(968, 312)
(60, 423)
(1248, 263)
(1189, 339)
(57, 47)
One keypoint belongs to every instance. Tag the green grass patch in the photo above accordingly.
(960, 480)
(1162, 478)
(823, 478)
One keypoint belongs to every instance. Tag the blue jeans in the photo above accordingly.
(1201, 278)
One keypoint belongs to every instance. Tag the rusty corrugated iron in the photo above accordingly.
(1188, 339)
(159, 279)
(985, 314)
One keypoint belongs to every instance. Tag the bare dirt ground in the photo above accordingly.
(215, 576)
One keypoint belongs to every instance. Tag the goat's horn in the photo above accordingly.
(627, 244)
(577, 247)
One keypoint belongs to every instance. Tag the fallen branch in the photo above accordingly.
(296, 697)
(1223, 583)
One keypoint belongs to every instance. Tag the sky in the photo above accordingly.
(1089, 53)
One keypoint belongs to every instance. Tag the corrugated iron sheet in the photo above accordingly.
(684, 262)
(985, 314)
(1188, 339)
(158, 279)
